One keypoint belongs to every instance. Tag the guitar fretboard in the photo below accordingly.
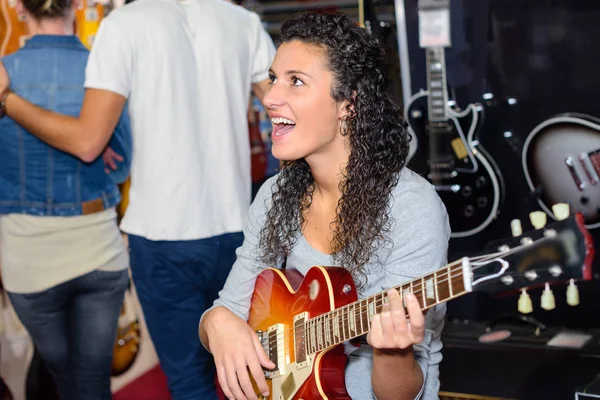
(436, 84)
(354, 319)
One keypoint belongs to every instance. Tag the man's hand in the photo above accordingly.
(4, 78)
(110, 158)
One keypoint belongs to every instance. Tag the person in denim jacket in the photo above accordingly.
(64, 261)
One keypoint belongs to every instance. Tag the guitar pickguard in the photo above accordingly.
(290, 379)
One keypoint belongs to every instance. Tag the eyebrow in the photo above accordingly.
(291, 72)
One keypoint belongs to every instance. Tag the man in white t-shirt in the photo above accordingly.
(184, 69)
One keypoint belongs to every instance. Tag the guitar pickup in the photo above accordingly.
(570, 165)
(459, 148)
(589, 169)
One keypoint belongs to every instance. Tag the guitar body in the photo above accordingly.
(561, 161)
(447, 154)
(127, 343)
(13, 29)
(280, 295)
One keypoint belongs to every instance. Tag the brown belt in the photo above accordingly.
(92, 206)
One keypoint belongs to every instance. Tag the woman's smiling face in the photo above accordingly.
(305, 117)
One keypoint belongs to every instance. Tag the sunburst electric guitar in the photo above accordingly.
(302, 322)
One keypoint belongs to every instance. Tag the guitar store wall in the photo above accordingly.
(541, 54)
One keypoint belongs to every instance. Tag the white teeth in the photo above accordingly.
(281, 120)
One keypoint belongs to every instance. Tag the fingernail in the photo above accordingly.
(266, 394)
(410, 296)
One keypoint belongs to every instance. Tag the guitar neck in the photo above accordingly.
(354, 320)
(436, 84)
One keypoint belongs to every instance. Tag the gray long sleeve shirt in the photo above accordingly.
(420, 233)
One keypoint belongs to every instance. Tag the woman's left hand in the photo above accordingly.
(390, 329)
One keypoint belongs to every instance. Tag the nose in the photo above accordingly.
(273, 98)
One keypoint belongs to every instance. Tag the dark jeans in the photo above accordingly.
(74, 325)
(176, 281)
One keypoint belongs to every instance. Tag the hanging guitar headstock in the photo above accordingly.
(560, 252)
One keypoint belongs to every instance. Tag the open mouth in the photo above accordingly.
(282, 126)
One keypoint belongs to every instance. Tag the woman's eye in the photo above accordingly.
(272, 79)
(296, 81)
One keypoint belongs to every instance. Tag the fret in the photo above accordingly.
(336, 325)
(364, 317)
(371, 309)
(405, 291)
(311, 334)
(326, 330)
(351, 322)
(345, 335)
(330, 329)
(319, 333)
(450, 283)
(357, 320)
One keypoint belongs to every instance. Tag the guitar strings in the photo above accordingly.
(449, 269)
(346, 315)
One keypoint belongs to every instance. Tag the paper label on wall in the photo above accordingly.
(434, 28)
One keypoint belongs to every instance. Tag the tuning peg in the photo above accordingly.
(538, 219)
(525, 306)
(515, 227)
(561, 211)
(572, 294)
(548, 302)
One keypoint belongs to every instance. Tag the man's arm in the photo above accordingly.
(85, 136)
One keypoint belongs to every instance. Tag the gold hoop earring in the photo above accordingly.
(344, 127)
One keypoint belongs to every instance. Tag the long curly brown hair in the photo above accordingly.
(378, 143)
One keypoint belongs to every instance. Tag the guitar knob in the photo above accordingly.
(469, 211)
(481, 182)
(482, 202)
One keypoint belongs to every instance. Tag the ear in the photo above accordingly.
(345, 109)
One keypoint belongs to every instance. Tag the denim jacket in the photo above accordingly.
(36, 178)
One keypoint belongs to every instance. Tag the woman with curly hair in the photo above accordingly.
(343, 197)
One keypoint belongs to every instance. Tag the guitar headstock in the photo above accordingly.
(560, 252)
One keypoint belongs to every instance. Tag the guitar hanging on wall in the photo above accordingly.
(446, 152)
(561, 162)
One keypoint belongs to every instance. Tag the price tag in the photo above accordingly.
(434, 28)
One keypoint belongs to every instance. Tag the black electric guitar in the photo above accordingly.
(445, 151)
(561, 162)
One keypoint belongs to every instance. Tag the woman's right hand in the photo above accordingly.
(236, 348)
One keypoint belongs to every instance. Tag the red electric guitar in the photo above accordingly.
(303, 321)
